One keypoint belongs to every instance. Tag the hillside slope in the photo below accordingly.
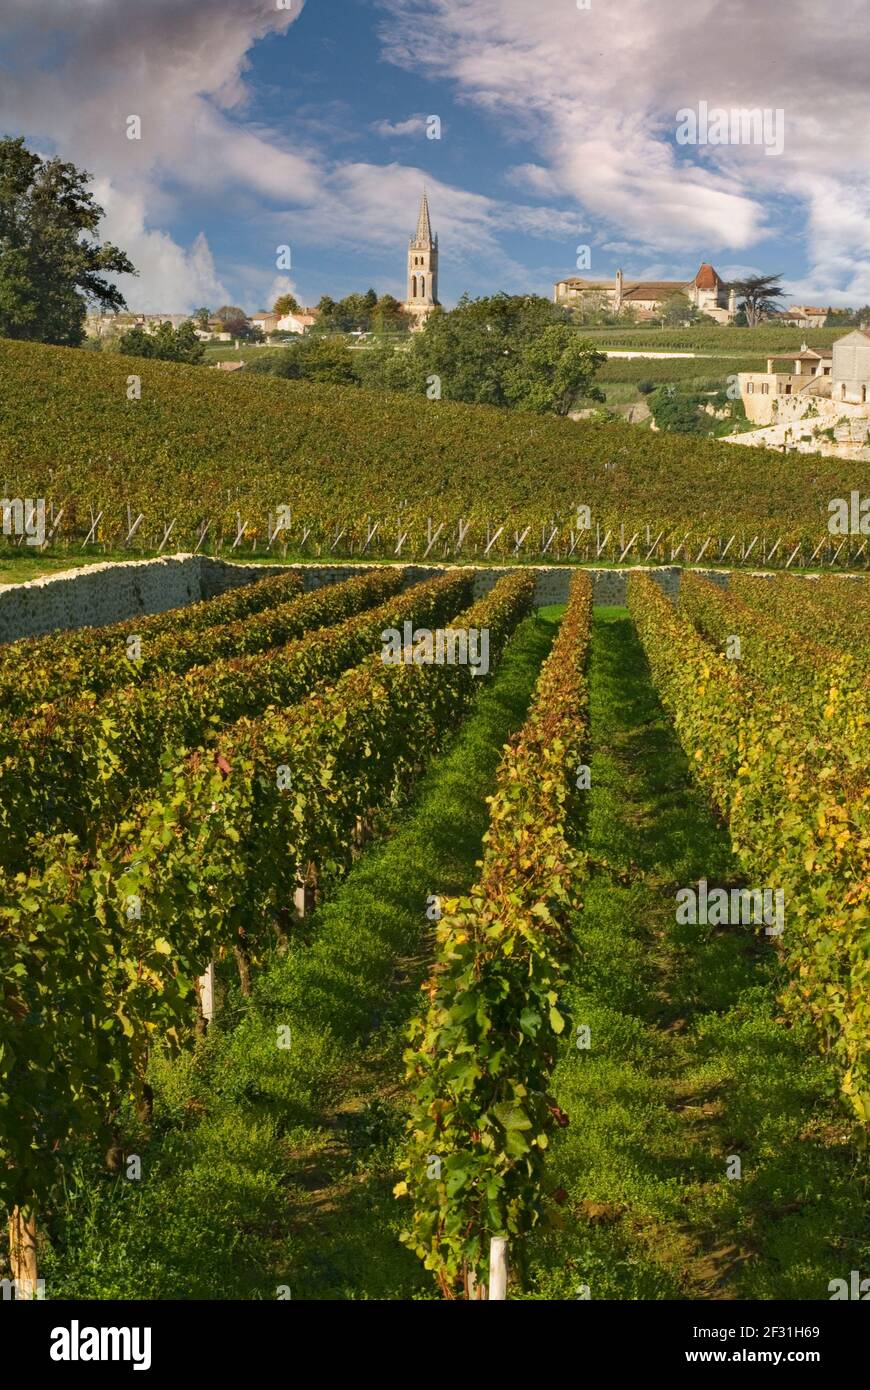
(202, 444)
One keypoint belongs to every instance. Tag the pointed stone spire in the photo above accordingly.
(423, 235)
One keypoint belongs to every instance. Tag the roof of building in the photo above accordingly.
(805, 355)
(654, 289)
(707, 278)
(586, 284)
(855, 333)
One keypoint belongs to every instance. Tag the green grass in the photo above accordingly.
(689, 1062)
(247, 352)
(271, 1167)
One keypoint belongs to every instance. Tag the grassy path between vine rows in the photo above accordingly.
(689, 1062)
(270, 1168)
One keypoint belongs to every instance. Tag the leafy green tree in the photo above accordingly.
(474, 349)
(326, 310)
(201, 319)
(361, 313)
(386, 369)
(168, 344)
(285, 304)
(552, 370)
(677, 309)
(388, 316)
(317, 359)
(51, 265)
(676, 411)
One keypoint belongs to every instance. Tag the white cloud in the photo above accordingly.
(171, 279)
(414, 125)
(81, 70)
(594, 92)
(598, 90)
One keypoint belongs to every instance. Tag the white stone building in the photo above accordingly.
(823, 383)
(707, 292)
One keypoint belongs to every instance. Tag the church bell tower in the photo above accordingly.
(422, 296)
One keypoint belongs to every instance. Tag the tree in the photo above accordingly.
(553, 370)
(388, 316)
(233, 320)
(326, 310)
(201, 319)
(51, 265)
(471, 349)
(678, 411)
(317, 359)
(168, 344)
(677, 309)
(358, 312)
(759, 295)
(285, 304)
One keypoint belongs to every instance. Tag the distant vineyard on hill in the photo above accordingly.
(767, 337)
(219, 456)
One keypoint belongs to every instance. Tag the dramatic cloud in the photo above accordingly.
(598, 90)
(71, 76)
(587, 98)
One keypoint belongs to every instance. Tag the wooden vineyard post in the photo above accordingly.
(22, 1252)
(303, 898)
(206, 993)
(498, 1268)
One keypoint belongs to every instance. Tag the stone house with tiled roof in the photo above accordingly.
(707, 292)
(829, 382)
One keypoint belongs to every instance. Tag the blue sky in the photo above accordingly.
(307, 126)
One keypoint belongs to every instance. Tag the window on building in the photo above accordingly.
(788, 389)
(422, 286)
(413, 287)
(749, 388)
(843, 392)
(863, 395)
(765, 388)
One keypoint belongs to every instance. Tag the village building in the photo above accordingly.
(850, 377)
(270, 322)
(422, 296)
(801, 316)
(826, 382)
(707, 292)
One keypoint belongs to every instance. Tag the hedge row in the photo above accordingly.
(790, 778)
(481, 1057)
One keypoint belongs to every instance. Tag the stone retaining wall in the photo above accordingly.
(105, 593)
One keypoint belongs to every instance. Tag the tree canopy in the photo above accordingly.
(513, 350)
(167, 343)
(51, 264)
(759, 294)
(286, 304)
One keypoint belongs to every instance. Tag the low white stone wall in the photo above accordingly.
(98, 594)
